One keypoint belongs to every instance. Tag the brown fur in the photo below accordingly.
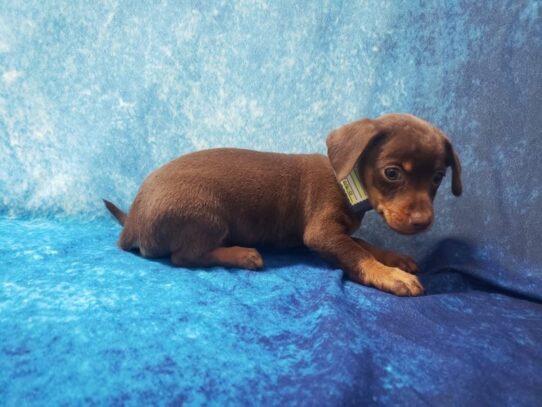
(208, 208)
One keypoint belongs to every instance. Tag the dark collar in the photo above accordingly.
(356, 196)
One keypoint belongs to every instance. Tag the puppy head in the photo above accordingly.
(401, 160)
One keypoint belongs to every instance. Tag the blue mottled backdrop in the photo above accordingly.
(94, 95)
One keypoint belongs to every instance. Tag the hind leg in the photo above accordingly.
(235, 256)
(200, 243)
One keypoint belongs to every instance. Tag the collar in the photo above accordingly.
(356, 195)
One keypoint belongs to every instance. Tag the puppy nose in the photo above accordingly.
(420, 220)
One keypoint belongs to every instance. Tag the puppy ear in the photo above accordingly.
(452, 159)
(346, 144)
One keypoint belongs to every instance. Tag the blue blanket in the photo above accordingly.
(94, 96)
(83, 322)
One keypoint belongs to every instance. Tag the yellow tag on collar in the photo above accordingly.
(355, 193)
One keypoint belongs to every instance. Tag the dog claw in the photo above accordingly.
(404, 288)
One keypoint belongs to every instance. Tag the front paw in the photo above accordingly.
(391, 279)
(397, 260)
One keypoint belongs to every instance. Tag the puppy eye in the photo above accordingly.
(437, 178)
(393, 173)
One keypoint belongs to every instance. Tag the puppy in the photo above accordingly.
(209, 208)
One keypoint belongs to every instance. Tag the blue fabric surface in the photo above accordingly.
(95, 95)
(82, 322)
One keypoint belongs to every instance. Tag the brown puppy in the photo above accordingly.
(210, 207)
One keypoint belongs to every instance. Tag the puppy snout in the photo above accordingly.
(420, 220)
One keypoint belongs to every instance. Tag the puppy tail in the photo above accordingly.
(117, 213)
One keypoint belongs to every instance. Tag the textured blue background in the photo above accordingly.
(93, 96)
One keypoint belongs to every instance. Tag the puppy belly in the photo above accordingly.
(271, 232)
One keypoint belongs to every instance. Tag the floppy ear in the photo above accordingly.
(452, 159)
(347, 143)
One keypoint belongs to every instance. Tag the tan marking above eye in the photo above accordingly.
(407, 166)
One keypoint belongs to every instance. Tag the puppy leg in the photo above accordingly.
(239, 257)
(359, 264)
(390, 258)
(196, 242)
